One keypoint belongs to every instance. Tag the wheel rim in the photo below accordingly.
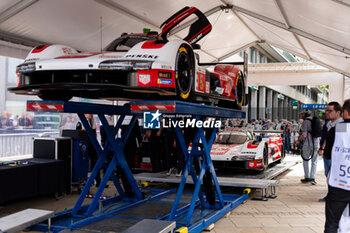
(184, 71)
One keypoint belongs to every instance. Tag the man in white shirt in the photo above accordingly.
(338, 196)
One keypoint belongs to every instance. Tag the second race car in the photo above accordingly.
(238, 148)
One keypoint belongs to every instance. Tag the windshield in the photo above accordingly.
(232, 138)
(237, 138)
(124, 43)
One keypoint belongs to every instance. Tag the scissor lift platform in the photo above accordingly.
(261, 181)
(196, 214)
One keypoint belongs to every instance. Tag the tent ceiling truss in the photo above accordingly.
(236, 10)
(117, 7)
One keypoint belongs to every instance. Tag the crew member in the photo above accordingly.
(338, 195)
(309, 149)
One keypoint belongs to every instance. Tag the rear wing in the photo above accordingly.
(200, 28)
(243, 63)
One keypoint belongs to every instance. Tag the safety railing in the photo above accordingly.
(16, 143)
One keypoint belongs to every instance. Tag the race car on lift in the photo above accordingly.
(237, 148)
(137, 66)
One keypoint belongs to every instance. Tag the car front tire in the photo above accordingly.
(184, 72)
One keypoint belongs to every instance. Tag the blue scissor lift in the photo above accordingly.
(195, 214)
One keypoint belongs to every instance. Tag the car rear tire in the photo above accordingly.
(184, 72)
(266, 158)
(240, 90)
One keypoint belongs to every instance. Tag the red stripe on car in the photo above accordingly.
(151, 45)
(251, 146)
(179, 17)
(204, 31)
(40, 48)
(78, 56)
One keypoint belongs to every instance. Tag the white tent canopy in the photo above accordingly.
(315, 30)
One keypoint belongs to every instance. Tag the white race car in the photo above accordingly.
(135, 66)
(237, 148)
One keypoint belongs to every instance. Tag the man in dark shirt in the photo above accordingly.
(309, 148)
(337, 148)
(286, 129)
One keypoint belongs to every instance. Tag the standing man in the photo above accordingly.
(287, 135)
(333, 116)
(339, 175)
(309, 149)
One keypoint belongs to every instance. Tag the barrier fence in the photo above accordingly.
(16, 143)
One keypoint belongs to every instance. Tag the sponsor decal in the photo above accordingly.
(207, 87)
(108, 56)
(31, 59)
(67, 51)
(219, 90)
(219, 150)
(144, 78)
(164, 75)
(201, 82)
(168, 67)
(232, 74)
(165, 81)
(148, 56)
(194, 40)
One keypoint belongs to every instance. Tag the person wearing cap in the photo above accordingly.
(310, 148)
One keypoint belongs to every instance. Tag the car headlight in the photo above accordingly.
(26, 67)
(126, 65)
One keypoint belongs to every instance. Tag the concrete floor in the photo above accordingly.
(296, 209)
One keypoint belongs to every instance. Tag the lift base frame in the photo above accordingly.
(196, 215)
